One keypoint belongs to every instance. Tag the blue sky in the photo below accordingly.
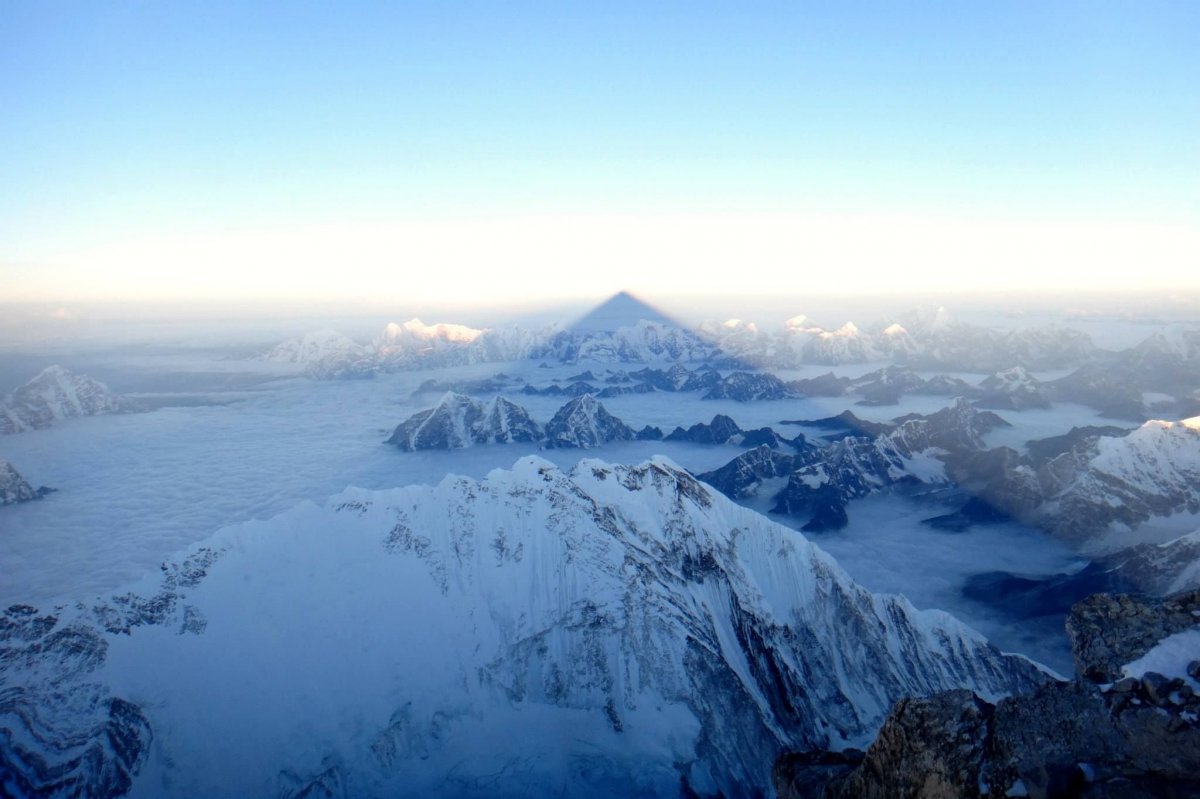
(139, 142)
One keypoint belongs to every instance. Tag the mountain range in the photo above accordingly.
(608, 630)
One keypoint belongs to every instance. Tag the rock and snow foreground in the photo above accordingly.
(1127, 726)
(612, 630)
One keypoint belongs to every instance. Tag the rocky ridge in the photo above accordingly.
(1117, 730)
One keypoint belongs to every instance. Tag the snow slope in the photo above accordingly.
(610, 630)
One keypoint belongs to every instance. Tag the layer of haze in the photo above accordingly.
(494, 152)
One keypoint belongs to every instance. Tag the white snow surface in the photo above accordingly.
(1169, 657)
(537, 628)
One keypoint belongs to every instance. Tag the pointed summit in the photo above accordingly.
(621, 310)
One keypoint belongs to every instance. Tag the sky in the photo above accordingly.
(497, 152)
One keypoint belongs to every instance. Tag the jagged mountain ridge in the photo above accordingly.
(454, 634)
(823, 480)
(1079, 486)
(458, 421)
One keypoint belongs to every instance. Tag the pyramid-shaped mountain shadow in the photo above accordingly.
(620, 310)
(675, 339)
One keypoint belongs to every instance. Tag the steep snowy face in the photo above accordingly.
(606, 631)
(1123, 480)
(458, 421)
(585, 423)
(53, 395)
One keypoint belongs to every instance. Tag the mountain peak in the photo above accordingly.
(620, 310)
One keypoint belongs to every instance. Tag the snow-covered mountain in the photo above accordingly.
(1157, 569)
(14, 488)
(326, 354)
(608, 631)
(56, 394)
(457, 421)
(1121, 481)
(585, 423)
(853, 467)
(1013, 389)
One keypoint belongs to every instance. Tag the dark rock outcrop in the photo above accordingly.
(1136, 738)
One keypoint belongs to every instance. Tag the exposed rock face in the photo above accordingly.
(458, 421)
(854, 467)
(585, 423)
(57, 394)
(61, 734)
(1138, 737)
(1107, 631)
(14, 488)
